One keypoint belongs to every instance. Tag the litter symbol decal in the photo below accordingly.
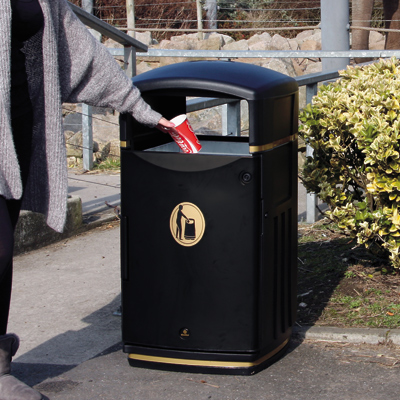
(187, 224)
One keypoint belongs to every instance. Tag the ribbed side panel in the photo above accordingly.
(282, 275)
(283, 263)
(276, 286)
(289, 269)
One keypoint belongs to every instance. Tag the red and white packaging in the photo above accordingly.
(184, 135)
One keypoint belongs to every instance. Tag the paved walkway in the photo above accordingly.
(95, 190)
(63, 305)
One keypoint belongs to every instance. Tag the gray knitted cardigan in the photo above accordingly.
(64, 64)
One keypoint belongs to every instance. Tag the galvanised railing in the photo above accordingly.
(230, 108)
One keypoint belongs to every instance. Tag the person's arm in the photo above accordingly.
(89, 74)
(165, 123)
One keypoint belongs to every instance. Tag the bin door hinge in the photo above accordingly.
(124, 249)
(264, 216)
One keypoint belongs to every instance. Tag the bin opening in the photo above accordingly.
(209, 147)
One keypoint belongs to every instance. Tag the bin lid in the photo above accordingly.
(210, 78)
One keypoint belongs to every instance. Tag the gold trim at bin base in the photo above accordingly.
(125, 143)
(270, 146)
(207, 363)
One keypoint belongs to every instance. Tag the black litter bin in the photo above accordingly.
(209, 240)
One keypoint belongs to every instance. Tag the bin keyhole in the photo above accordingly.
(246, 177)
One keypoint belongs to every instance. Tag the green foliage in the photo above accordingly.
(109, 164)
(353, 125)
(349, 274)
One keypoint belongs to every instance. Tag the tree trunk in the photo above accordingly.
(391, 10)
(361, 16)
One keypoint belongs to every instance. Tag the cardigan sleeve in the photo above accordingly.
(89, 74)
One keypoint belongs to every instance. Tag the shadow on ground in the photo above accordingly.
(71, 348)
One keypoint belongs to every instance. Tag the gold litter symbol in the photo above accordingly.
(187, 224)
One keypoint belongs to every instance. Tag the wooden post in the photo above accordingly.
(211, 6)
(87, 5)
(130, 17)
(199, 19)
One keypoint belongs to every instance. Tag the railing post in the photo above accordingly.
(231, 119)
(87, 127)
(87, 137)
(335, 31)
(130, 61)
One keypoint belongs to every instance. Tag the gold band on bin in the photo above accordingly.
(270, 146)
(125, 143)
(207, 363)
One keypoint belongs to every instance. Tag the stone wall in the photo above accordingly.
(307, 40)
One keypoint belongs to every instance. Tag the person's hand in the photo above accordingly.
(164, 124)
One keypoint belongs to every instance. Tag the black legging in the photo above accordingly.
(9, 212)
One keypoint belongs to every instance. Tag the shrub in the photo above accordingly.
(353, 125)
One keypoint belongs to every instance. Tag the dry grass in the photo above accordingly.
(341, 284)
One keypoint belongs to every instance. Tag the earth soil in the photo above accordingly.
(341, 284)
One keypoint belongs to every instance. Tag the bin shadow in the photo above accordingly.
(71, 348)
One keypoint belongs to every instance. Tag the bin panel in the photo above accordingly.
(209, 289)
(209, 240)
(279, 240)
(271, 122)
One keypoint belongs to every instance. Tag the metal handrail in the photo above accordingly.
(271, 53)
(232, 54)
(131, 46)
(107, 29)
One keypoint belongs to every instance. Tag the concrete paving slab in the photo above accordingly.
(308, 371)
(63, 299)
(349, 335)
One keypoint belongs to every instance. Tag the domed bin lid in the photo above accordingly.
(272, 96)
(241, 80)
